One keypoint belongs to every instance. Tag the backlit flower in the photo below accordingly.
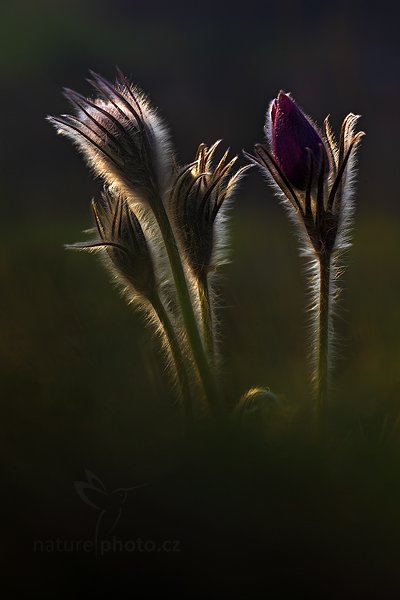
(198, 193)
(121, 137)
(122, 238)
(312, 172)
(291, 135)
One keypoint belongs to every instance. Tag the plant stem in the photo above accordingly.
(207, 317)
(189, 319)
(323, 332)
(178, 360)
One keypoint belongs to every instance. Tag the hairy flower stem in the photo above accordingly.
(207, 317)
(178, 360)
(323, 332)
(189, 319)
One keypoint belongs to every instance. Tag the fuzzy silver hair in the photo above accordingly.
(198, 206)
(129, 257)
(121, 137)
(127, 252)
(197, 197)
(322, 214)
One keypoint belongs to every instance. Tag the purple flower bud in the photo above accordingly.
(291, 134)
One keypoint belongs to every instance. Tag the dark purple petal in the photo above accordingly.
(292, 134)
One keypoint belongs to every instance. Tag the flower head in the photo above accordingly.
(121, 138)
(197, 195)
(122, 237)
(312, 173)
(292, 134)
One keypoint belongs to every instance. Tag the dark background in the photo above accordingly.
(82, 383)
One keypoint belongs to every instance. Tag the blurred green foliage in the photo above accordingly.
(83, 386)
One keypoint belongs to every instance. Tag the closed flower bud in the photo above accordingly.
(122, 237)
(314, 176)
(197, 196)
(121, 138)
(291, 134)
(312, 172)
(258, 408)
